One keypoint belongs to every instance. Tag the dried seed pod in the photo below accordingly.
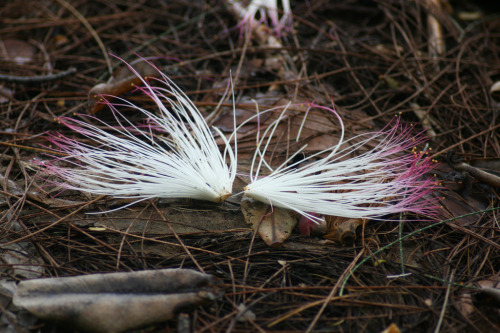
(116, 302)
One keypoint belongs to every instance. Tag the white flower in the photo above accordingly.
(175, 156)
(371, 184)
(265, 8)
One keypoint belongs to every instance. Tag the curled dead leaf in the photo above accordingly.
(341, 229)
(122, 81)
(274, 225)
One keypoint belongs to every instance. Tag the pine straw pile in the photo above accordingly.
(432, 63)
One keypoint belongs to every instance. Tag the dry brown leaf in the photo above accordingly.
(17, 51)
(20, 260)
(341, 229)
(274, 225)
(453, 205)
(122, 81)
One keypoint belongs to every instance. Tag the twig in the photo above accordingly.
(37, 79)
(486, 177)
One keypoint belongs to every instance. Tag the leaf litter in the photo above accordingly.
(372, 60)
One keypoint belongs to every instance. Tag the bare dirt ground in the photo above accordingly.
(435, 63)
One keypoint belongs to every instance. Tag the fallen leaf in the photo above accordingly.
(19, 259)
(342, 229)
(122, 81)
(274, 225)
(17, 51)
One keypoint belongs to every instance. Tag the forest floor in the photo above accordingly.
(435, 64)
